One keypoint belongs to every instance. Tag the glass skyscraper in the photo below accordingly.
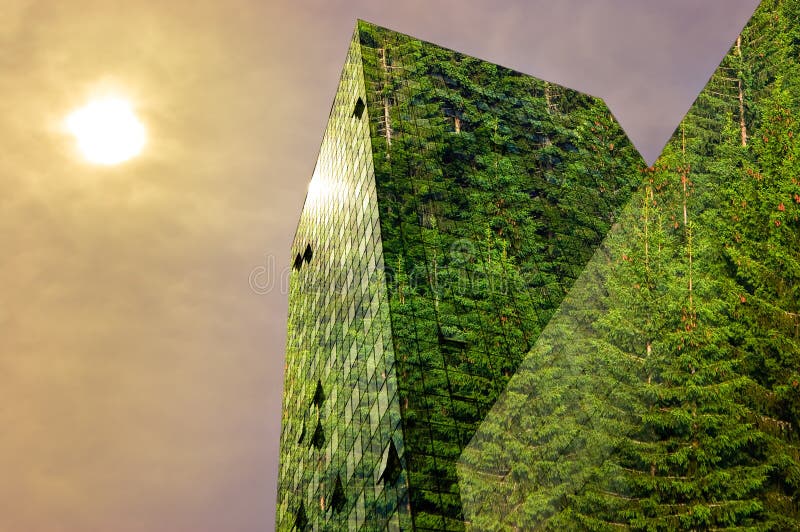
(453, 204)
(500, 319)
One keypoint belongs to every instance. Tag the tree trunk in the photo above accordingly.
(387, 125)
(742, 125)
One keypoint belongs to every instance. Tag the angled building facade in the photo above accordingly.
(453, 204)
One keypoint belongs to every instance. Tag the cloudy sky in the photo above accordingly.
(142, 320)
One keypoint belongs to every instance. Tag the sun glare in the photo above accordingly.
(107, 131)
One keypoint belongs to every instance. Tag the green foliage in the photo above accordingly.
(494, 190)
(665, 392)
(568, 340)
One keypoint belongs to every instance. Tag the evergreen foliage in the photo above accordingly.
(664, 395)
(494, 189)
(595, 344)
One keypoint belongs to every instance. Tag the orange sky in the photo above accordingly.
(140, 371)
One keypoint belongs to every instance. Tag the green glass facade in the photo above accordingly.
(341, 407)
(453, 204)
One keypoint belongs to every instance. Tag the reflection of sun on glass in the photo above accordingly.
(107, 131)
(318, 188)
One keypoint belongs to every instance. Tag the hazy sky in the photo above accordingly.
(140, 374)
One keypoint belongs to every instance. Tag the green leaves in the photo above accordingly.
(664, 392)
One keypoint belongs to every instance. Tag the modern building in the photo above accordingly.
(452, 206)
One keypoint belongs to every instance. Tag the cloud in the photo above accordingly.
(141, 374)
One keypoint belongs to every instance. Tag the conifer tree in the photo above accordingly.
(686, 323)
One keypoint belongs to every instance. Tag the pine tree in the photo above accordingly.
(664, 393)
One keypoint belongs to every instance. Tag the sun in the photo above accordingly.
(107, 131)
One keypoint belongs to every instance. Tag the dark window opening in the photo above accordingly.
(300, 520)
(307, 254)
(318, 439)
(359, 109)
(338, 498)
(391, 465)
(319, 395)
(298, 262)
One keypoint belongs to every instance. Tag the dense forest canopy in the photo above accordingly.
(509, 322)
(494, 188)
(665, 392)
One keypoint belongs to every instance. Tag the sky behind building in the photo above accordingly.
(142, 320)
